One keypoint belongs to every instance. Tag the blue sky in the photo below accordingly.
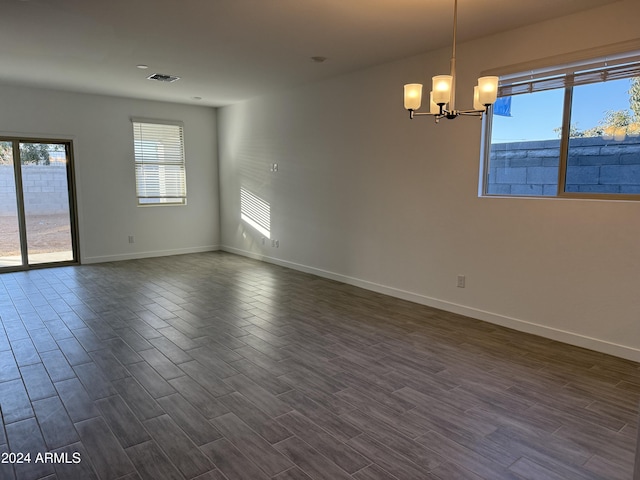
(534, 116)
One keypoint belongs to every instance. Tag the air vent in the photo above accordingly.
(161, 77)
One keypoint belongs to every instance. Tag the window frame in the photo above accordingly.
(178, 196)
(567, 65)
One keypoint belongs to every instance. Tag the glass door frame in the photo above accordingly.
(22, 223)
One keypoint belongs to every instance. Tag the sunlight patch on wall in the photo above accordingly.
(255, 211)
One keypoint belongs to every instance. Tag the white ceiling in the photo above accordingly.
(230, 50)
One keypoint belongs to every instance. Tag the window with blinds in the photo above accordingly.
(571, 131)
(566, 77)
(159, 162)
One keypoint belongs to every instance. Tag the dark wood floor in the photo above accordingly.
(214, 366)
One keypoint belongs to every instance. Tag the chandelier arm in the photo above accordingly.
(426, 114)
(436, 116)
(472, 113)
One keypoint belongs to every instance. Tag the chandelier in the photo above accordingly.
(443, 94)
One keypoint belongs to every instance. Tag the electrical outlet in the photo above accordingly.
(277, 243)
(131, 239)
(461, 281)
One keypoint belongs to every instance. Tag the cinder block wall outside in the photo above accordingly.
(44, 186)
(594, 165)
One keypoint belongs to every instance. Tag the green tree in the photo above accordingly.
(574, 131)
(617, 118)
(634, 97)
(34, 153)
(612, 119)
(6, 157)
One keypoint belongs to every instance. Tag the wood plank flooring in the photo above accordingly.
(213, 366)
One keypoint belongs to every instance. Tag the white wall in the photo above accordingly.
(102, 135)
(366, 196)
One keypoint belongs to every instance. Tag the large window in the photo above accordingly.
(159, 162)
(571, 131)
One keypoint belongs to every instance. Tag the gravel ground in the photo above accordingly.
(46, 234)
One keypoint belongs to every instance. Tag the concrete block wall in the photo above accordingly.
(594, 166)
(44, 186)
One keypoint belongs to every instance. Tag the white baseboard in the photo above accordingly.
(571, 338)
(149, 254)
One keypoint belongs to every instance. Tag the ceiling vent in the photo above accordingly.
(161, 77)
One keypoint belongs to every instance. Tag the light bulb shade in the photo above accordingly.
(412, 96)
(442, 89)
(433, 106)
(476, 99)
(487, 90)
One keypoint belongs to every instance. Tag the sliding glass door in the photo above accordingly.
(10, 250)
(37, 208)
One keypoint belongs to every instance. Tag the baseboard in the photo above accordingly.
(149, 254)
(570, 338)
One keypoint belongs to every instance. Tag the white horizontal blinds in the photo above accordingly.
(159, 162)
(550, 79)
